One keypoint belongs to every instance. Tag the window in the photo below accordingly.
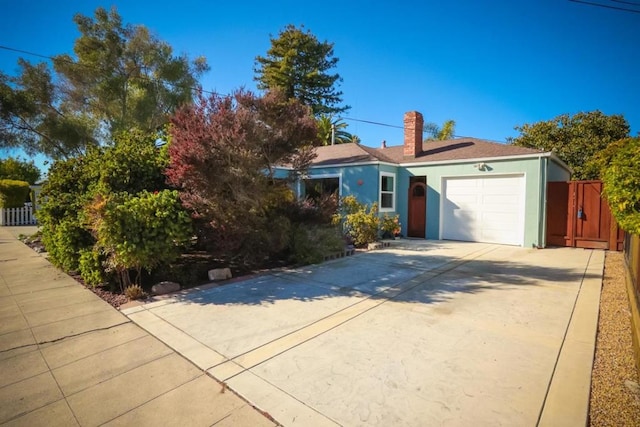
(387, 191)
(315, 188)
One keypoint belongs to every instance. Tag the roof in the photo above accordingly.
(433, 151)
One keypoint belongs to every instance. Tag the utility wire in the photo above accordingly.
(371, 122)
(633, 3)
(607, 6)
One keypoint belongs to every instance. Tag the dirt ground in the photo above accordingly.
(615, 394)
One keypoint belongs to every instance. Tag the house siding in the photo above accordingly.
(558, 172)
(360, 181)
(530, 168)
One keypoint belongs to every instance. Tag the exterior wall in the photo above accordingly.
(533, 204)
(557, 172)
(360, 181)
(363, 181)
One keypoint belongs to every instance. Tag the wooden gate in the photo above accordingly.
(578, 216)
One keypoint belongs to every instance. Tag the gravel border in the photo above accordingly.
(615, 393)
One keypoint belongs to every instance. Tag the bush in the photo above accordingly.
(621, 180)
(361, 223)
(310, 244)
(134, 292)
(390, 226)
(107, 187)
(65, 193)
(13, 194)
(137, 232)
(318, 211)
(65, 241)
(90, 267)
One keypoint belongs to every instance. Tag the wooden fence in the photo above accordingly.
(632, 258)
(17, 216)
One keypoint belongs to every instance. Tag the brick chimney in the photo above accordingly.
(413, 124)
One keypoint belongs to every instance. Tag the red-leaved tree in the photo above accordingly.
(223, 153)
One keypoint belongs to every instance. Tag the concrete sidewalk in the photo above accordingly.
(69, 358)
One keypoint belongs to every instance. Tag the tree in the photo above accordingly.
(121, 77)
(621, 178)
(575, 139)
(299, 65)
(223, 151)
(34, 117)
(332, 131)
(437, 133)
(21, 170)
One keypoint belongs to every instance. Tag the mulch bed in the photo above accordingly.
(615, 394)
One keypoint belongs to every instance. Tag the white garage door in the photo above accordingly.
(487, 209)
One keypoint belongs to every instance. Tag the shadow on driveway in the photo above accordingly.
(382, 274)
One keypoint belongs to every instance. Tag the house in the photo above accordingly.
(461, 189)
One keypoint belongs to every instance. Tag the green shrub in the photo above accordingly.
(90, 267)
(142, 231)
(621, 180)
(390, 225)
(64, 195)
(13, 194)
(75, 197)
(64, 242)
(310, 244)
(362, 223)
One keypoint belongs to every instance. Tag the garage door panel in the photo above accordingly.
(490, 201)
(497, 219)
(465, 202)
(484, 209)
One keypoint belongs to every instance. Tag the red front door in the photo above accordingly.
(417, 210)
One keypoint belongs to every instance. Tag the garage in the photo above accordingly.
(483, 209)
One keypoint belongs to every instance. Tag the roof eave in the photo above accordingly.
(479, 159)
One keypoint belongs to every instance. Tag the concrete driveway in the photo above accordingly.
(419, 333)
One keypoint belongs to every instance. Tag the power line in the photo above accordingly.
(371, 122)
(39, 55)
(608, 6)
(627, 2)
(402, 127)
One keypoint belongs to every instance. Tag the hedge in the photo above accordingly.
(13, 193)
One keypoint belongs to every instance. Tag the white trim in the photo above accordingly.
(484, 159)
(343, 165)
(523, 198)
(441, 162)
(393, 194)
(321, 176)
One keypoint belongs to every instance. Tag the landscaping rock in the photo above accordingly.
(165, 288)
(219, 274)
(374, 245)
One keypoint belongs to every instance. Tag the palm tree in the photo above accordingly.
(332, 131)
(437, 133)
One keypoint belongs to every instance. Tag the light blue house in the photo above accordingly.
(462, 189)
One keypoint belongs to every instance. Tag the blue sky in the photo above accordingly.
(489, 65)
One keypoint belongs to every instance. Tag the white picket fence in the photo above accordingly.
(17, 216)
